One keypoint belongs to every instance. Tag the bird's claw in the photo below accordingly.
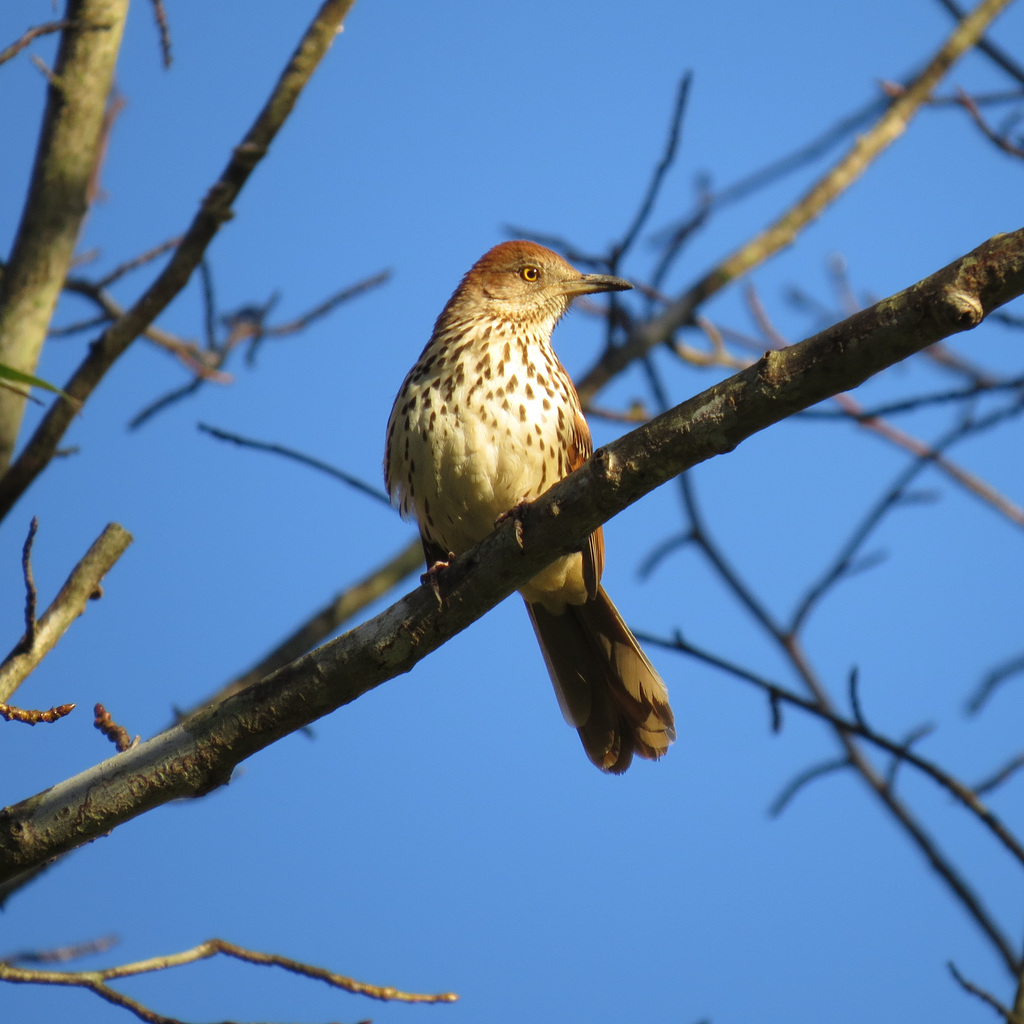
(433, 576)
(517, 513)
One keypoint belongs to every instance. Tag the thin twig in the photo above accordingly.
(325, 621)
(79, 588)
(96, 981)
(147, 412)
(980, 993)
(818, 771)
(997, 778)
(195, 359)
(117, 734)
(1000, 141)
(912, 737)
(31, 594)
(33, 33)
(325, 307)
(10, 713)
(994, 53)
(209, 304)
(62, 954)
(160, 16)
(137, 261)
(913, 404)
(847, 726)
(658, 177)
(297, 456)
(893, 495)
(1014, 666)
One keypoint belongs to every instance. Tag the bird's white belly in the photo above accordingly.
(483, 464)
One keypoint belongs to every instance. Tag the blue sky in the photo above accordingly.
(446, 832)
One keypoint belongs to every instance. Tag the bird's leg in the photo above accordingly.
(433, 575)
(517, 513)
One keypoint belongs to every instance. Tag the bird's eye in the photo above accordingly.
(529, 273)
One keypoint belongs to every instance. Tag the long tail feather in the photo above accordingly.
(605, 685)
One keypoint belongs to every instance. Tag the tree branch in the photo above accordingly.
(58, 198)
(80, 586)
(96, 981)
(326, 620)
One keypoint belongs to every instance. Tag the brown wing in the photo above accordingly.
(581, 447)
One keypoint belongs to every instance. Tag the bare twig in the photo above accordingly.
(325, 307)
(957, 395)
(1000, 141)
(994, 53)
(80, 586)
(972, 483)
(137, 261)
(1014, 666)
(117, 734)
(658, 177)
(160, 16)
(326, 620)
(818, 771)
(33, 33)
(115, 106)
(306, 460)
(851, 727)
(66, 330)
(195, 359)
(898, 759)
(96, 981)
(895, 493)
(10, 713)
(31, 595)
(62, 954)
(209, 304)
(982, 994)
(246, 324)
(997, 778)
(163, 402)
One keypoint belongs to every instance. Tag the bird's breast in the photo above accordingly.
(484, 428)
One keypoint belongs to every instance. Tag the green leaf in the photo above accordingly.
(8, 373)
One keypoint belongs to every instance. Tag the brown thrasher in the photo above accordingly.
(487, 419)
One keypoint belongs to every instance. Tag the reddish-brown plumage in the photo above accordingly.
(488, 418)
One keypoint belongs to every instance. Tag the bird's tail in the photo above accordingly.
(605, 685)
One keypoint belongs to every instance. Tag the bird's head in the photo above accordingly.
(525, 283)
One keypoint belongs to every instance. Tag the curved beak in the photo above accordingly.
(586, 283)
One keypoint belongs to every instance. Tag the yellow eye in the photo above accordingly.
(529, 273)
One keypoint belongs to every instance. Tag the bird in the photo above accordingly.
(488, 419)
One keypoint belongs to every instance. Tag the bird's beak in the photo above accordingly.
(587, 283)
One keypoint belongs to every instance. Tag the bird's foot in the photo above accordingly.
(433, 576)
(517, 513)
